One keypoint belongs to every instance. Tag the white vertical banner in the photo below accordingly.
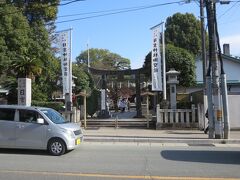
(156, 60)
(65, 55)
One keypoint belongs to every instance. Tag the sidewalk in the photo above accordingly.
(104, 134)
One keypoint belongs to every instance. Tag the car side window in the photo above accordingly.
(28, 116)
(7, 114)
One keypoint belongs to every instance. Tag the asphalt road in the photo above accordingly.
(98, 161)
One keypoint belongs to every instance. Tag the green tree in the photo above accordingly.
(92, 102)
(183, 61)
(83, 80)
(103, 59)
(36, 10)
(179, 59)
(184, 31)
(26, 67)
(44, 85)
(14, 36)
(25, 49)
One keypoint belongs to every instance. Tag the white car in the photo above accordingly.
(26, 127)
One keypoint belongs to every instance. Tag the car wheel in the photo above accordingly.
(56, 147)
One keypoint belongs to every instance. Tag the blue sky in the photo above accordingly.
(128, 34)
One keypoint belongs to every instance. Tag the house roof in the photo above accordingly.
(231, 58)
(229, 82)
(224, 56)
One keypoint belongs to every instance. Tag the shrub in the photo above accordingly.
(92, 102)
(58, 106)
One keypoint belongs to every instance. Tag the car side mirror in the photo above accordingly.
(40, 121)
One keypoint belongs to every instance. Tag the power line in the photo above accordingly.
(118, 11)
(54, 4)
(230, 22)
(229, 8)
(69, 2)
(97, 12)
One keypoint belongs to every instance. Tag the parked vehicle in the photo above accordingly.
(24, 127)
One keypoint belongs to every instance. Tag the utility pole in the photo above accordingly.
(203, 37)
(204, 57)
(88, 58)
(216, 114)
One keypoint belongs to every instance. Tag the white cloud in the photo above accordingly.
(234, 42)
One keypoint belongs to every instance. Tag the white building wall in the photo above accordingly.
(231, 68)
(234, 111)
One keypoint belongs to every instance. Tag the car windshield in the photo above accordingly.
(54, 116)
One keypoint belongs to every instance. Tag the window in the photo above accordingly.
(54, 116)
(7, 114)
(28, 116)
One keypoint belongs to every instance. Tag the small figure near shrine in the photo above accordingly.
(122, 104)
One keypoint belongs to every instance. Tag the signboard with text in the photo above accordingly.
(64, 48)
(24, 91)
(156, 61)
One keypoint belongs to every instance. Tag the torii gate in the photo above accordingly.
(136, 72)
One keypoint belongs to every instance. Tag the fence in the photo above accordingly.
(177, 118)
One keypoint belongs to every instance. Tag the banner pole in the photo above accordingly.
(164, 63)
(70, 67)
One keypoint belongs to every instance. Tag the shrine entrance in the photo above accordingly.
(113, 80)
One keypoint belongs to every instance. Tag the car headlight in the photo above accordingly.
(69, 133)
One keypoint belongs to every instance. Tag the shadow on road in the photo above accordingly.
(217, 157)
(24, 151)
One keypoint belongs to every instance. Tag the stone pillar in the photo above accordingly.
(173, 96)
(24, 91)
(158, 118)
(104, 113)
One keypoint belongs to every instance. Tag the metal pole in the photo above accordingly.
(225, 106)
(204, 58)
(203, 37)
(70, 69)
(163, 62)
(88, 61)
(85, 108)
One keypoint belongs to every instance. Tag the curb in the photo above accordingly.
(160, 140)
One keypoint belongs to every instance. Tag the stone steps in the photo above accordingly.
(118, 123)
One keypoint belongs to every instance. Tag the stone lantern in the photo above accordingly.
(172, 75)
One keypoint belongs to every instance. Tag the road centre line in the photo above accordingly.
(113, 176)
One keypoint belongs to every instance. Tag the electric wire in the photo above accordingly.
(49, 5)
(68, 2)
(120, 11)
(98, 12)
(236, 2)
